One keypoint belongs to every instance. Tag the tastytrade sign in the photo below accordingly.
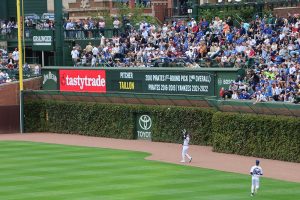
(82, 80)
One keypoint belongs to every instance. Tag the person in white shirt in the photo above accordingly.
(115, 49)
(190, 54)
(37, 70)
(116, 25)
(83, 59)
(3, 29)
(235, 95)
(255, 171)
(145, 34)
(185, 146)
(75, 56)
(193, 22)
(94, 61)
(95, 51)
(101, 25)
(281, 36)
(252, 42)
(164, 28)
(142, 25)
(260, 97)
(292, 69)
(15, 55)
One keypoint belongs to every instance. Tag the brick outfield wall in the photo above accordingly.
(9, 92)
(283, 12)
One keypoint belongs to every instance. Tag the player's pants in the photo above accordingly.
(184, 152)
(255, 184)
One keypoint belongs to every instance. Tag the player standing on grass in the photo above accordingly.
(185, 146)
(256, 171)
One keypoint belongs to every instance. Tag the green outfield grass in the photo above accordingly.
(37, 171)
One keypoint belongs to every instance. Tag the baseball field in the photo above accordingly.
(35, 171)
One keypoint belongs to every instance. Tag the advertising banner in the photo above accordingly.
(166, 82)
(143, 127)
(147, 81)
(224, 79)
(42, 40)
(82, 80)
(50, 79)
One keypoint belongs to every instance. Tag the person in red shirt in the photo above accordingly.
(222, 92)
(195, 29)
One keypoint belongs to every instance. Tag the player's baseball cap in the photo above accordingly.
(257, 162)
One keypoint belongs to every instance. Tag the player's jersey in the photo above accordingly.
(256, 171)
(186, 141)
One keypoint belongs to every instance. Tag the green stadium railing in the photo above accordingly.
(14, 73)
(247, 106)
(12, 34)
(32, 60)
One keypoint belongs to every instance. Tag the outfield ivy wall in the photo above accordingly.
(118, 121)
(252, 135)
(273, 137)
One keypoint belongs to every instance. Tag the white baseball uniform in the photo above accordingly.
(185, 148)
(256, 172)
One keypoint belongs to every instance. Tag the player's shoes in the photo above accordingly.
(190, 160)
(252, 194)
(182, 161)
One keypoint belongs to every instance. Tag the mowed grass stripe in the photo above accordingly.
(47, 171)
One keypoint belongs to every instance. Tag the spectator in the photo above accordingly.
(260, 97)
(15, 55)
(37, 70)
(75, 56)
(101, 27)
(116, 25)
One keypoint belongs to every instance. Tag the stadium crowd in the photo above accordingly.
(269, 47)
(9, 66)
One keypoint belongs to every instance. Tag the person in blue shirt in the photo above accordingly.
(200, 34)
(204, 24)
(242, 31)
(278, 59)
(268, 30)
(229, 37)
(244, 95)
(268, 88)
(240, 40)
(274, 39)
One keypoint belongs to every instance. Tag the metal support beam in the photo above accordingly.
(59, 40)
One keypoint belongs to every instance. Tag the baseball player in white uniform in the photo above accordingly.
(185, 146)
(256, 171)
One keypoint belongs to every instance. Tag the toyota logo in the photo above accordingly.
(145, 122)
